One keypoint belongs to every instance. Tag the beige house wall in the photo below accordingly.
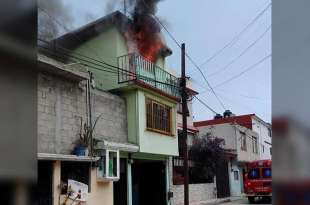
(101, 192)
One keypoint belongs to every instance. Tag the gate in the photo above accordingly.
(222, 179)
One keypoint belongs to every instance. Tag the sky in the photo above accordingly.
(206, 26)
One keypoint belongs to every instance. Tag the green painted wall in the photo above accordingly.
(148, 141)
(132, 115)
(106, 47)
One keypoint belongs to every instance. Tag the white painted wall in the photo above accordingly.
(265, 140)
(234, 185)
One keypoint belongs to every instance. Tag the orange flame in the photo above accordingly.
(149, 46)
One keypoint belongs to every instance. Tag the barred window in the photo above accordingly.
(158, 117)
(243, 141)
(254, 145)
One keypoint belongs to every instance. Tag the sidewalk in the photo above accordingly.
(218, 201)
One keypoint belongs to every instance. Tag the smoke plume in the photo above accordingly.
(53, 18)
(145, 33)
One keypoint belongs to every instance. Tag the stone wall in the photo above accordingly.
(62, 105)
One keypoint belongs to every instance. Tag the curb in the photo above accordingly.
(218, 202)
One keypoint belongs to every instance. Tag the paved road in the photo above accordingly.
(244, 201)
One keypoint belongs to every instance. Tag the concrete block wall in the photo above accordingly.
(62, 104)
(112, 125)
(197, 192)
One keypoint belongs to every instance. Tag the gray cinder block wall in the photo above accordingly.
(62, 104)
(198, 193)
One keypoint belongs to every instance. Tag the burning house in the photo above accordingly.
(126, 56)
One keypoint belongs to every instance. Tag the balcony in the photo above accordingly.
(135, 68)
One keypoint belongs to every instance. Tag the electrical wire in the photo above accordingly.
(189, 57)
(244, 71)
(205, 104)
(240, 74)
(100, 68)
(235, 38)
(242, 53)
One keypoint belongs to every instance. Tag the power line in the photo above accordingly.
(241, 54)
(110, 70)
(188, 56)
(244, 71)
(204, 77)
(234, 39)
(207, 106)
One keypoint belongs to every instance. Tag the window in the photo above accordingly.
(254, 145)
(236, 175)
(269, 132)
(108, 165)
(263, 148)
(267, 172)
(270, 151)
(254, 174)
(78, 171)
(158, 117)
(243, 141)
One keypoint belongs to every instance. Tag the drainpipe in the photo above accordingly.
(90, 111)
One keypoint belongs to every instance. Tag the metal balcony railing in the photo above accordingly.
(134, 67)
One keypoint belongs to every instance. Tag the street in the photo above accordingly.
(245, 201)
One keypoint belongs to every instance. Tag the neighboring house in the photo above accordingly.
(198, 192)
(240, 141)
(142, 112)
(265, 136)
(63, 108)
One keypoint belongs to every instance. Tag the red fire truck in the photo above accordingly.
(257, 182)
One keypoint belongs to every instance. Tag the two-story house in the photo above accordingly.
(150, 95)
(240, 141)
(265, 136)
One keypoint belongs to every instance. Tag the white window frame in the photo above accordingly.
(104, 176)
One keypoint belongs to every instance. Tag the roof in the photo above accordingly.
(189, 128)
(243, 120)
(262, 121)
(74, 38)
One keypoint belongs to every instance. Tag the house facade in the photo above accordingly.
(63, 109)
(264, 130)
(198, 191)
(137, 101)
(241, 142)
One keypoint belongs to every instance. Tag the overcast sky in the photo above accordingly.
(205, 26)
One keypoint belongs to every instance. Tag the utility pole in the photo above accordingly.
(184, 122)
(125, 8)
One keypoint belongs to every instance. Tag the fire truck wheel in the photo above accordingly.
(251, 199)
(268, 199)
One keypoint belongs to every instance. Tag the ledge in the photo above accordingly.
(119, 146)
(50, 65)
(63, 157)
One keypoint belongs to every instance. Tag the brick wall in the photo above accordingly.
(62, 104)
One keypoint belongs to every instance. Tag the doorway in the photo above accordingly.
(222, 179)
(148, 182)
(45, 182)
(120, 186)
